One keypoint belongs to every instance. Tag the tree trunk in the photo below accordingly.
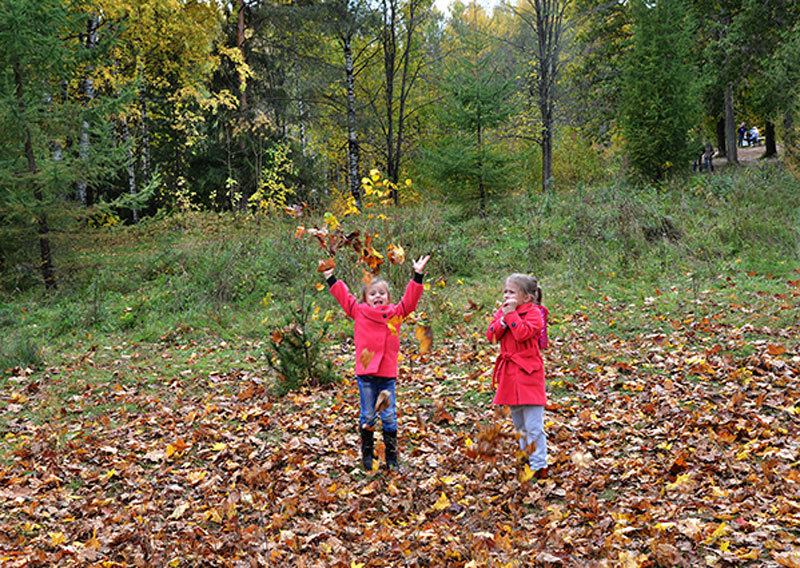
(389, 58)
(48, 275)
(481, 184)
(769, 138)
(730, 127)
(129, 164)
(145, 156)
(352, 136)
(790, 149)
(84, 147)
(549, 27)
(240, 45)
(721, 137)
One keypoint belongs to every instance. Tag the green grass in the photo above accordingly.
(626, 257)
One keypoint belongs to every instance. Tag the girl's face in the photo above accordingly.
(513, 292)
(377, 295)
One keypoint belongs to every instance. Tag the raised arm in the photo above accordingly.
(341, 293)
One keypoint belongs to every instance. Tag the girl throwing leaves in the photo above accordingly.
(376, 325)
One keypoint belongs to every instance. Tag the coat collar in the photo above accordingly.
(525, 308)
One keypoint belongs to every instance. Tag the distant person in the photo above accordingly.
(754, 135)
(377, 346)
(518, 371)
(742, 132)
(708, 157)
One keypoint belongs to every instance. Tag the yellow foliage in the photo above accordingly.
(272, 195)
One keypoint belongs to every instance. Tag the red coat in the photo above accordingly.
(518, 371)
(376, 330)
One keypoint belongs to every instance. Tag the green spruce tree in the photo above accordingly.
(466, 160)
(660, 90)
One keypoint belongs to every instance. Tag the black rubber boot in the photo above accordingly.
(390, 439)
(367, 448)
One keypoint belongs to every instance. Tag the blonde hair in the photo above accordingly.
(528, 285)
(376, 282)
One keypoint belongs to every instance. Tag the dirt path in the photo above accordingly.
(749, 156)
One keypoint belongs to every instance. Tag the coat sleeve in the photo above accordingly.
(345, 298)
(410, 298)
(496, 330)
(524, 328)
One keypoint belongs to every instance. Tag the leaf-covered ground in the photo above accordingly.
(673, 440)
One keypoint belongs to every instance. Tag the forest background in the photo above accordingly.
(173, 371)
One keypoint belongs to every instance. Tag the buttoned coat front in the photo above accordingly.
(376, 329)
(518, 371)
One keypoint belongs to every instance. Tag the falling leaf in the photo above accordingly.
(296, 210)
(326, 264)
(393, 323)
(395, 254)
(526, 474)
(424, 335)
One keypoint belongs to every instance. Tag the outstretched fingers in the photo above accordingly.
(419, 265)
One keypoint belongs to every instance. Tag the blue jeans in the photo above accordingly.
(529, 420)
(368, 388)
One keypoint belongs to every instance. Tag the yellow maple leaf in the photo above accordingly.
(219, 446)
(393, 323)
(526, 474)
(442, 503)
(56, 538)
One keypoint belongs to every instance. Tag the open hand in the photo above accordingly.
(419, 265)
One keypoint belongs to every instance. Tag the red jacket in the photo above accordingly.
(376, 329)
(518, 371)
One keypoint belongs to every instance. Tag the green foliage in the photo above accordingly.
(298, 353)
(19, 351)
(468, 160)
(660, 90)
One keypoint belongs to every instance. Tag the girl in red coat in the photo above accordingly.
(519, 326)
(376, 325)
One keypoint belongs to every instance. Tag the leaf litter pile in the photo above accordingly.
(677, 445)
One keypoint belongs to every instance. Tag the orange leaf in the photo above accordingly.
(395, 254)
(365, 357)
(300, 231)
(424, 335)
(326, 264)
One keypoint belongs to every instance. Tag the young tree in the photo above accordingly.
(477, 100)
(545, 21)
(660, 91)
